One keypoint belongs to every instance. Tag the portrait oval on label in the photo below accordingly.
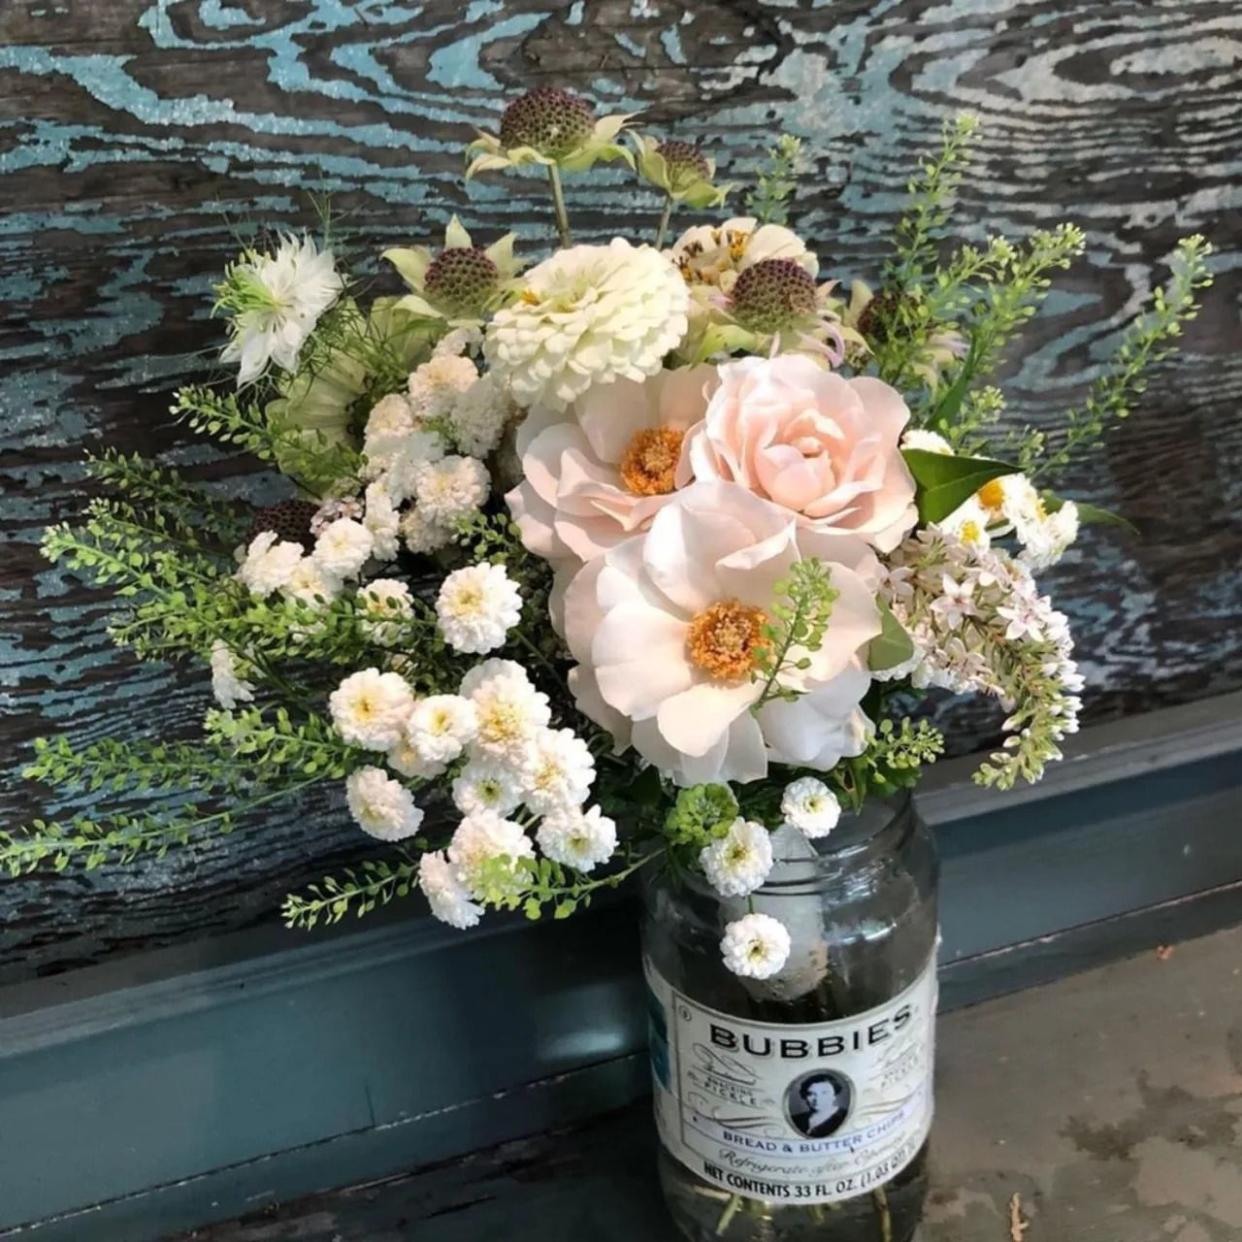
(808, 1113)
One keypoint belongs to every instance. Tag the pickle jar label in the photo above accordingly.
(805, 1113)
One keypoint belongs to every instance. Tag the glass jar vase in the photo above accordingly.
(798, 1106)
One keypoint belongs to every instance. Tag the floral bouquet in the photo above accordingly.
(635, 555)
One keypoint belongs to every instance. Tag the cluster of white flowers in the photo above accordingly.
(979, 625)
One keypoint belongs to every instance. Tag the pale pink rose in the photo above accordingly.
(599, 472)
(663, 626)
(824, 447)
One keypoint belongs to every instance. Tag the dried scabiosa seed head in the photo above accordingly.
(461, 280)
(773, 296)
(549, 119)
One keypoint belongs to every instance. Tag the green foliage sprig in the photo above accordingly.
(769, 201)
(800, 616)
(894, 759)
(374, 882)
(143, 764)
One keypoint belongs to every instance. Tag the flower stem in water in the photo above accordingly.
(726, 1217)
(880, 1196)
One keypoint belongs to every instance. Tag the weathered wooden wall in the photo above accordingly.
(137, 138)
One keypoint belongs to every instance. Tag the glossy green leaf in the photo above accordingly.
(945, 482)
(1089, 514)
(892, 646)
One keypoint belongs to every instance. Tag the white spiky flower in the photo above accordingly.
(580, 839)
(440, 726)
(557, 771)
(739, 862)
(588, 315)
(448, 897)
(343, 548)
(810, 806)
(755, 946)
(227, 683)
(451, 488)
(275, 300)
(476, 607)
(269, 562)
(382, 522)
(487, 785)
(382, 806)
(370, 708)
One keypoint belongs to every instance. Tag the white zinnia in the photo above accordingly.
(343, 548)
(739, 862)
(382, 806)
(370, 708)
(810, 806)
(386, 602)
(476, 608)
(382, 522)
(557, 772)
(487, 785)
(447, 896)
(277, 300)
(440, 726)
(479, 416)
(451, 488)
(229, 687)
(579, 839)
(755, 946)
(269, 562)
(588, 315)
(483, 837)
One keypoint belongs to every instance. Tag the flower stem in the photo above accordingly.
(726, 1217)
(665, 216)
(558, 205)
(880, 1196)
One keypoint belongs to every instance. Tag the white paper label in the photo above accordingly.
(806, 1113)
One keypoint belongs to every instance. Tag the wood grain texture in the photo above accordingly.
(137, 139)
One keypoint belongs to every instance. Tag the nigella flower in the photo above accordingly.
(275, 301)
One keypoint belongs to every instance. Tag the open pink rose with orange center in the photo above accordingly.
(599, 472)
(823, 447)
(665, 628)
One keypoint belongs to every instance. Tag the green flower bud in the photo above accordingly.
(686, 164)
(548, 119)
(773, 296)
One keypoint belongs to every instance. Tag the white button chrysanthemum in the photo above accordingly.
(557, 772)
(391, 420)
(370, 708)
(739, 862)
(755, 946)
(226, 683)
(479, 416)
(382, 521)
(447, 896)
(487, 785)
(382, 806)
(310, 584)
(926, 441)
(486, 670)
(435, 386)
(482, 837)
(399, 468)
(476, 608)
(810, 806)
(343, 548)
(578, 839)
(421, 534)
(269, 562)
(276, 301)
(588, 315)
(440, 726)
(509, 710)
(386, 602)
(451, 488)
(403, 758)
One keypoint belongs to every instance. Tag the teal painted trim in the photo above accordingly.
(199, 1084)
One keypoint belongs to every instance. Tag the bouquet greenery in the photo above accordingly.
(632, 555)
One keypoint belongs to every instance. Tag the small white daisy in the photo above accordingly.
(557, 772)
(510, 712)
(440, 726)
(310, 584)
(739, 862)
(451, 488)
(370, 708)
(403, 758)
(483, 837)
(268, 563)
(227, 684)
(476, 608)
(435, 386)
(578, 839)
(421, 534)
(487, 785)
(810, 806)
(447, 896)
(343, 548)
(382, 806)
(755, 946)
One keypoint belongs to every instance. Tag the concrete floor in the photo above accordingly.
(1109, 1103)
